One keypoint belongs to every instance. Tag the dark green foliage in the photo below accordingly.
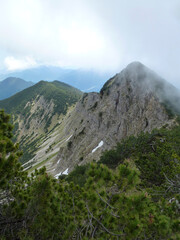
(28, 149)
(79, 175)
(100, 114)
(122, 151)
(93, 202)
(154, 154)
(9, 153)
(170, 109)
(69, 144)
(12, 178)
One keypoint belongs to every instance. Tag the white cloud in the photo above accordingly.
(99, 34)
(12, 63)
(64, 32)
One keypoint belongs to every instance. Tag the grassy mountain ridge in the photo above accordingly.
(56, 90)
(37, 110)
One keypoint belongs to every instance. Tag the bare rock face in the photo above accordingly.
(130, 102)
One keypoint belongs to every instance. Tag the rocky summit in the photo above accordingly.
(134, 100)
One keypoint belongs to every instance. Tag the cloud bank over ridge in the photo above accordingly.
(99, 35)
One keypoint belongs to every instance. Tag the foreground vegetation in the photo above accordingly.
(133, 193)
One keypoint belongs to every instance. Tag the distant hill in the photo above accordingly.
(12, 85)
(85, 80)
(37, 110)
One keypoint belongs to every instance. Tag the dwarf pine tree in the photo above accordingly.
(12, 179)
(111, 204)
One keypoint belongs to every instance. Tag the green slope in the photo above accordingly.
(62, 95)
(38, 110)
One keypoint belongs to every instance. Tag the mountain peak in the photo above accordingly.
(14, 78)
(143, 80)
(139, 72)
(135, 65)
(136, 73)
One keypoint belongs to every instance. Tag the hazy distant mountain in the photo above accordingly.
(85, 80)
(12, 85)
(46, 73)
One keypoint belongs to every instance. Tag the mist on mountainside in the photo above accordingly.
(147, 79)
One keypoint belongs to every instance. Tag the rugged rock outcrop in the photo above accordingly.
(132, 101)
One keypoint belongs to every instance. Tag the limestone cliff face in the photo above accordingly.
(130, 102)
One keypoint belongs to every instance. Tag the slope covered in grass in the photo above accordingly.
(62, 95)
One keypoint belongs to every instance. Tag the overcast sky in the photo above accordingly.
(104, 35)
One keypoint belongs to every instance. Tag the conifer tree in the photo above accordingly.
(12, 178)
(111, 204)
